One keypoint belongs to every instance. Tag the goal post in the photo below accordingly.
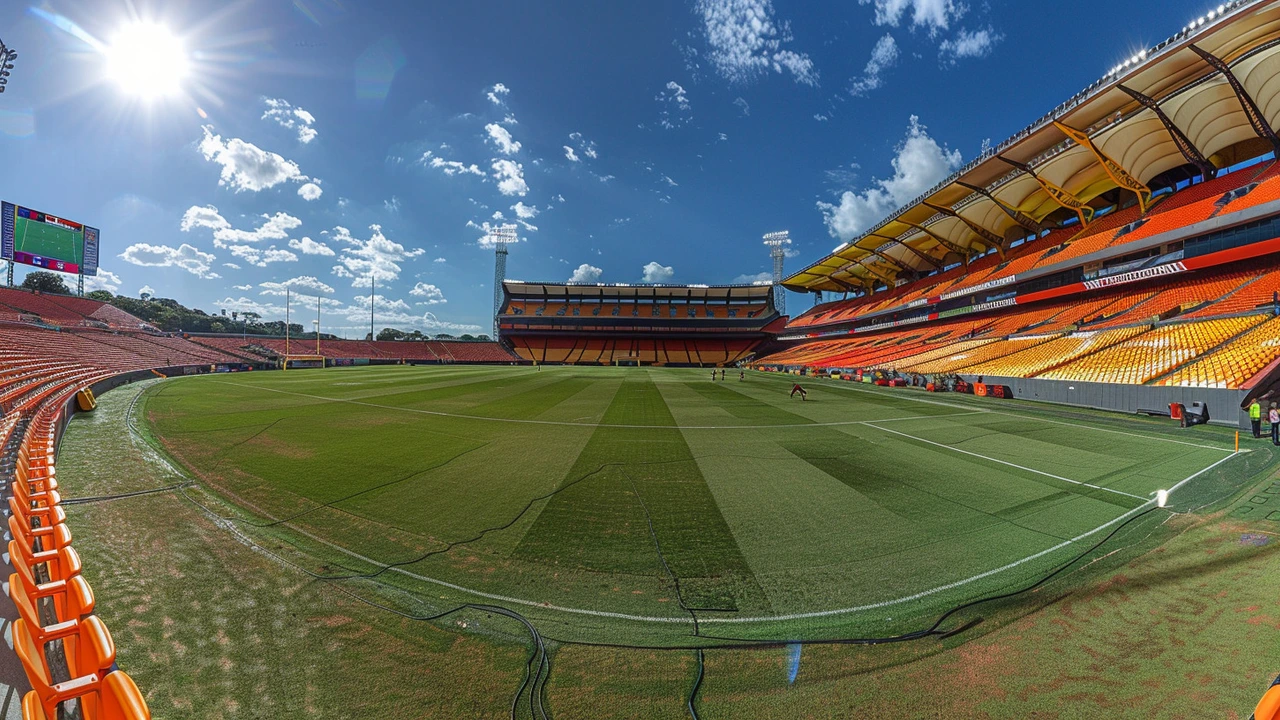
(302, 362)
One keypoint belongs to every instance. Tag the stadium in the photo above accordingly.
(1012, 462)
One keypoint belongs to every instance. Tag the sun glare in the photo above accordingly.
(147, 60)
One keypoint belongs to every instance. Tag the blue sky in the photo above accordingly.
(314, 143)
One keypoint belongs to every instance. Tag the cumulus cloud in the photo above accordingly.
(450, 167)
(378, 257)
(968, 44)
(307, 246)
(510, 177)
(242, 287)
(273, 227)
(587, 273)
(246, 166)
(585, 146)
(570, 154)
(260, 257)
(746, 40)
(760, 278)
(525, 211)
(146, 290)
(655, 272)
(430, 294)
(920, 164)
(308, 283)
(673, 106)
(501, 137)
(883, 56)
(104, 280)
(497, 93)
(310, 191)
(291, 118)
(185, 256)
(934, 15)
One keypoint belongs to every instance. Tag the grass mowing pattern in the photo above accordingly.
(792, 518)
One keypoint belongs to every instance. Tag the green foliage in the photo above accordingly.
(48, 282)
(100, 296)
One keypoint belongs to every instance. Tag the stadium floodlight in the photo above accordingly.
(778, 242)
(7, 57)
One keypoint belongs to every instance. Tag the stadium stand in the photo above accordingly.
(672, 325)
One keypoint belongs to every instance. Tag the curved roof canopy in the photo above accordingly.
(1168, 107)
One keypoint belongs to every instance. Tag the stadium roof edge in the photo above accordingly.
(1042, 169)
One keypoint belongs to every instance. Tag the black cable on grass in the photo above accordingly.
(122, 496)
(697, 685)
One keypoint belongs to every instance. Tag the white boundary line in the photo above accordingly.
(758, 619)
(566, 423)
(1034, 418)
(1014, 465)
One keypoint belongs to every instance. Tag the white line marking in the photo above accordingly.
(565, 423)
(1014, 465)
(1032, 417)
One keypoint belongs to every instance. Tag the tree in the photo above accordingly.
(390, 334)
(46, 282)
(100, 296)
(483, 337)
(466, 336)
(444, 336)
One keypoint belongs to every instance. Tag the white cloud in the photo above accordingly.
(379, 257)
(185, 256)
(274, 227)
(746, 41)
(302, 282)
(398, 313)
(233, 266)
(510, 177)
(307, 246)
(104, 280)
(146, 290)
(968, 44)
(657, 273)
(450, 167)
(310, 191)
(246, 166)
(291, 118)
(510, 119)
(920, 164)
(496, 92)
(586, 273)
(670, 182)
(761, 278)
(585, 146)
(501, 137)
(242, 288)
(262, 258)
(392, 205)
(743, 106)
(935, 15)
(525, 211)
(673, 106)
(439, 260)
(570, 154)
(722, 138)
(883, 56)
(430, 294)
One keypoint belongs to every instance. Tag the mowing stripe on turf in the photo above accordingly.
(1005, 462)
(1032, 417)
(566, 423)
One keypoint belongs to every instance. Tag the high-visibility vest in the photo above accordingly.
(1255, 411)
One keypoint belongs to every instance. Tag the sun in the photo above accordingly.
(147, 60)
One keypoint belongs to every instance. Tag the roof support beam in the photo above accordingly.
(844, 285)
(896, 263)
(962, 252)
(1016, 215)
(879, 275)
(928, 259)
(1251, 111)
(989, 239)
(1059, 195)
(1185, 146)
(1118, 175)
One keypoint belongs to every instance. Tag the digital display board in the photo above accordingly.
(31, 237)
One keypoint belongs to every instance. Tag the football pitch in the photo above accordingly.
(657, 507)
(48, 241)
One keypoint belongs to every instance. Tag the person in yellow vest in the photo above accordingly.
(1255, 417)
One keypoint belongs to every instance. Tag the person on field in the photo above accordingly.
(713, 374)
(1255, 417)
(742, 375)
(797, 389)
(721, 373)
(1273, 416)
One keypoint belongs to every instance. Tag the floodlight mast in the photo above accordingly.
(778, 242)
(499, 236)
(7, 57)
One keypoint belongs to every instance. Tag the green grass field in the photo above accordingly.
(48, 241)
(623, 505)
(607, 497)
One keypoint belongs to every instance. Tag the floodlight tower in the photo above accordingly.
(499, 236)
(778, 242)
(7, 57)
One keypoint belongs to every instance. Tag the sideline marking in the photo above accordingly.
(1015, 465)
(565, 423)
